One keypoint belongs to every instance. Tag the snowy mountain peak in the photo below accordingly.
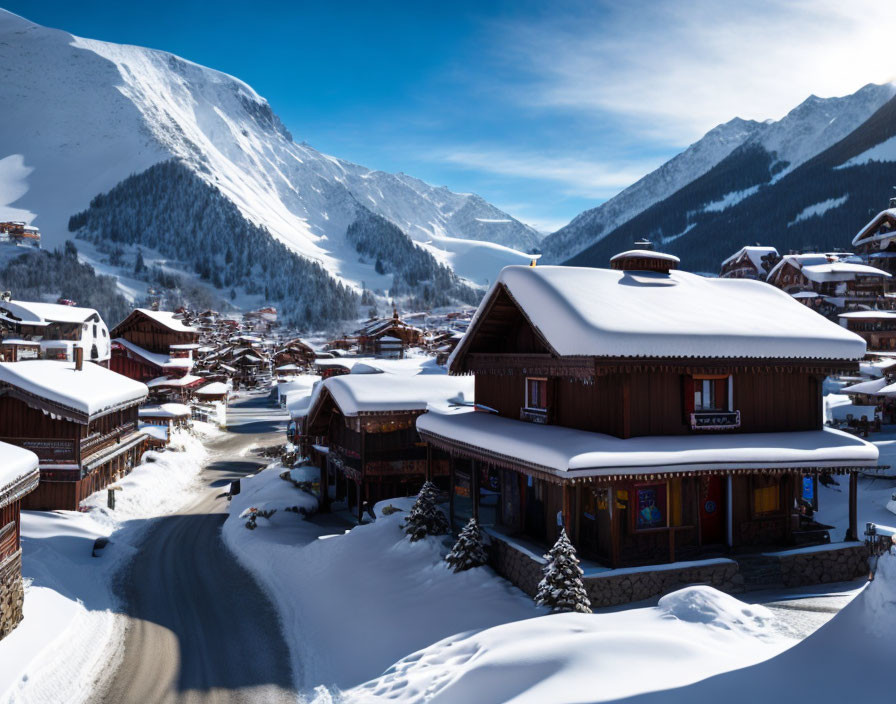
(811, 127)
(128, 108)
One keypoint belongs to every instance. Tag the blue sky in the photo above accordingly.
(544, 109)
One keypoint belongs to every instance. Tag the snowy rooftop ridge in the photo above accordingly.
(42, 313)
(609, 313)
(372, 393)
(754, 252)
(92, 391)
(167, 319)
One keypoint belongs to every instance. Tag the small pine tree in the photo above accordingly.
(139, 265)
(468, 551)
(425, 517)
(562, 588)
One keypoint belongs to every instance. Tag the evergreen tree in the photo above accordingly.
(139, 265)
(562, 588)
(425, 517)
(468, 551)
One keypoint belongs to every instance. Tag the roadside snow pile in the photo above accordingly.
(706, 605)
(67, 591)
(158, 485)
(693, 633)
(402, 596)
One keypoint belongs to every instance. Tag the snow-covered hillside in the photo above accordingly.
(81, 115)
(807, 130)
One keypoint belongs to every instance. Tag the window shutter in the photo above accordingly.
(721, 394)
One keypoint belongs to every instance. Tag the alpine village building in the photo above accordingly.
(18, 478)
(79, 419)
(34, 330)
(658, 416)
(149, 344)
(359, 429)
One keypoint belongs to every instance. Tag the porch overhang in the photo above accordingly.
(562, 455)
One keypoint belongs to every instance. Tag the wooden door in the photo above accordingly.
(712, 510)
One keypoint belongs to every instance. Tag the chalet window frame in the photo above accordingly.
(528, 406)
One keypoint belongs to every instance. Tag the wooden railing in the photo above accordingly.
(97, 441)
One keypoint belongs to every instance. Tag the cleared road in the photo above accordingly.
(199, 628)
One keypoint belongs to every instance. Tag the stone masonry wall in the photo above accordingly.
(835, 565)
(12, 593)
(635, 585)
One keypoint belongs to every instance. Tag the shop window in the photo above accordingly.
(766, 496)
(536, 394)
(651, 506)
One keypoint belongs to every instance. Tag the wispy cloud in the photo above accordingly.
(589, 178)
(674, 69)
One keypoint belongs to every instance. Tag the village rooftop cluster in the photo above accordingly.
(637, 427)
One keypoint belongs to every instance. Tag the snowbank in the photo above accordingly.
(692, 633)
(354, 601)
(68, 592)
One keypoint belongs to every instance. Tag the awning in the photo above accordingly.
(570, 453)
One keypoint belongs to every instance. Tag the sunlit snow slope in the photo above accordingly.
(80, 115)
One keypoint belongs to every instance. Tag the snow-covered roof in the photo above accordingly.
(871, 386)
(213, 389)
(92, 390)
(840, 271)
(869, 315)
(798, 261)
(889, 213)
(16, 463)
(644, 254)
(372, 393)
(41, 313)
(165, 410)
(755, 254)
(610, 313)
(167, 319)
(185, 380)
(160, 360)
(562, 450)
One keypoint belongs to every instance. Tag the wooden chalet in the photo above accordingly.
(876, 327)
(56, 329)
(149, 344)
(876, 242)
(295, 352)
(657, 415)
(155, 330)
(359, 429)
(840, 279)
(379, 336)
(750, 263)
(18, 478)
(79, 419)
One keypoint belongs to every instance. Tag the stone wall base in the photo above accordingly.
(12, 593)
(614, 587)
(836, 565)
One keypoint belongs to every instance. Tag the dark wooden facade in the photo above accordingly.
(368, 457)
(639, 518)
(152, 335)
(77, 456)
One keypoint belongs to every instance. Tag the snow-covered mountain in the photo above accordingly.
(79, 116)
(806, 131)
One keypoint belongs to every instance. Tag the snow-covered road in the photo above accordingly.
(200, 629)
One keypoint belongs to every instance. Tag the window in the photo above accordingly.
(766, 496)
(536, 394)
(651, 506)
(710, 394)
